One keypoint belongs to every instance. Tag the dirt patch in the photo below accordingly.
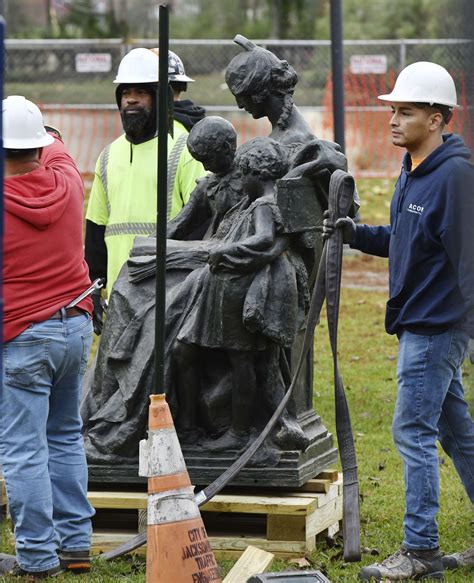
(365, 271)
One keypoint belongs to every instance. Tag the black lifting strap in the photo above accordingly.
(328, 286)
(341, 192)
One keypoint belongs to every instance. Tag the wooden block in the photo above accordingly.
(227, 547)
(320, 499)
(118, 500)
(284, 527)
(331, 474)
(324, 517)
(105, 540)
(280, 548)
(142, 519)
(298, 504)
(253, 504)
(315, 485)
(3, 499)
(252, 562)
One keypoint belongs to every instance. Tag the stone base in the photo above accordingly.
(293, 469)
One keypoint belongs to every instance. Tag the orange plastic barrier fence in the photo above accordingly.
(87, 130)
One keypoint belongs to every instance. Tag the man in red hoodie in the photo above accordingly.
(45, 350)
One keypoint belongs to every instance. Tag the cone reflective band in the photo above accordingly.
(178, 549)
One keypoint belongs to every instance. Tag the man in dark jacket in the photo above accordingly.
(431, 306)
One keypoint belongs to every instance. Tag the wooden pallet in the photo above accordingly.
(283, 523)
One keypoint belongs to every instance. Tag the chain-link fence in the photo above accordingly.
(68, 77)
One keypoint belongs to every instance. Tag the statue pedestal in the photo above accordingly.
(293, 469)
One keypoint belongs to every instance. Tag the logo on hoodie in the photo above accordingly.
(415, 208)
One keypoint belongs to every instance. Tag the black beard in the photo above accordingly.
(138, 125)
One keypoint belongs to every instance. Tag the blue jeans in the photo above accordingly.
(430, 405)
(41, 445)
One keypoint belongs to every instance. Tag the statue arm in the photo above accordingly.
(196, 212)
(251, 252)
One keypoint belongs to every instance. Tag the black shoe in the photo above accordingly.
(75, 561)
(9, 566)
(406, 564)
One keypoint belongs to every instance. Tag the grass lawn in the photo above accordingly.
(367, 362)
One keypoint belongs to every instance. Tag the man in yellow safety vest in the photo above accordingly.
(123, 202)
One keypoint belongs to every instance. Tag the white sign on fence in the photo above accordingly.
(361, 64)
(93, 62)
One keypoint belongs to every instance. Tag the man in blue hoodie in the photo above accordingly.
(429, 243)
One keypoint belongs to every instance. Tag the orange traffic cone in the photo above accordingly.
(178, 550)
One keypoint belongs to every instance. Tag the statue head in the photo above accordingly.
(213, 142)
(255, 75)
(260, 160)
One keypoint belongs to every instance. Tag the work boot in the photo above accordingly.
(406, 564)
(75, 561)
(9, 566)
(458, 560)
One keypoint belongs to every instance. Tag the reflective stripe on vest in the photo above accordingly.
(104, 160)
(173, 160)
(130, 229)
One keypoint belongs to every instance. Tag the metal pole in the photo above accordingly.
(403, 54)
(337, 58)
(162, 211)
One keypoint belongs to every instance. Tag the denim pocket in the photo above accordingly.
(25, 360)
(458, 347)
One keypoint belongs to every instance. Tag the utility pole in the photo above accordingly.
(337, 58)
(49, 23)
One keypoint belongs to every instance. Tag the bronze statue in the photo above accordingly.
(263, 85)
(240, 260)
(236, 307)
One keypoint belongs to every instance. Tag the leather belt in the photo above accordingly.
(70, 313)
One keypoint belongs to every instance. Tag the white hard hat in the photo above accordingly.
(23, 126)
(138, 66)
(423, 82)
(176, 70)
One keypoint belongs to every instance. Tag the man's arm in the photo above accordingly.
(458, 237)
(96, 250)
(56, 158)
(372, 240)
(97, 217)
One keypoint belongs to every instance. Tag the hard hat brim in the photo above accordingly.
(18, 144)
(181, 78)
(394, 98)
(133, 80)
